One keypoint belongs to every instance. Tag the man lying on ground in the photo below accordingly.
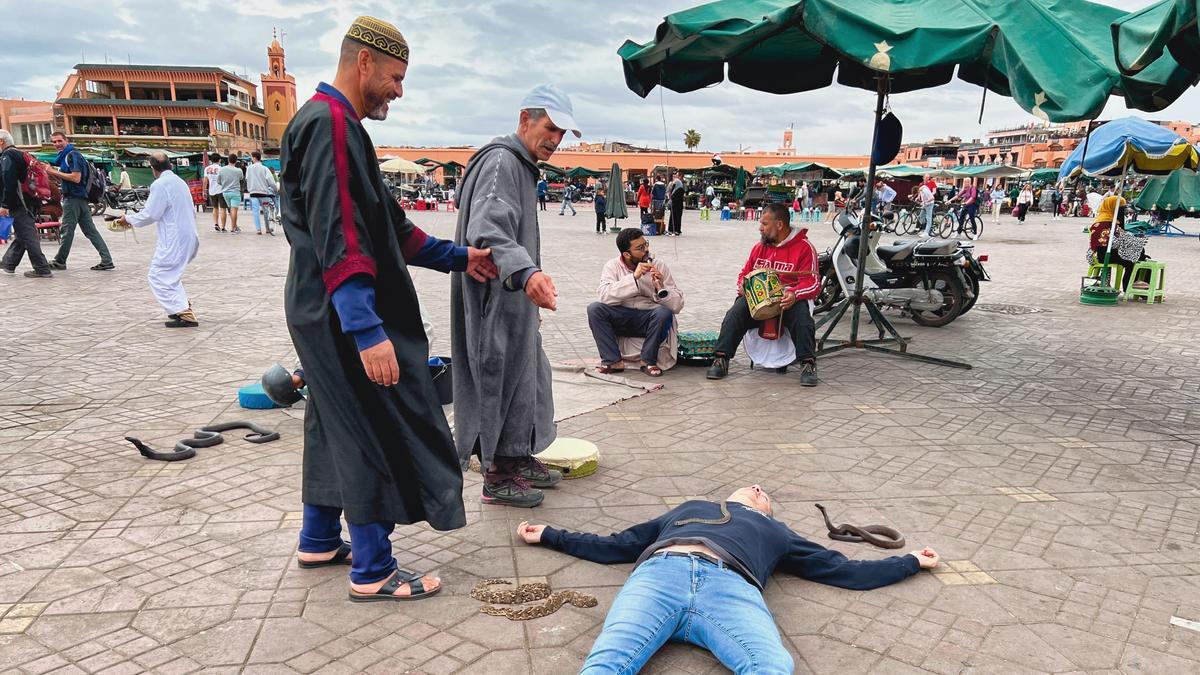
(701, 568)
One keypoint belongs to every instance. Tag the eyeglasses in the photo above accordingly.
(643, 247)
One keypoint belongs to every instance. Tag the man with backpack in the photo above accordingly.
(76, 175)
(14, 173)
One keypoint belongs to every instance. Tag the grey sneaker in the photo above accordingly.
(537, 473)
(718, 369)
(511, 491)
(808, 374)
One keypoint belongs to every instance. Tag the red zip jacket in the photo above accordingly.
(795, 260)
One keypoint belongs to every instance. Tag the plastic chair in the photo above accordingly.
(1116, 273)
(1154, 273)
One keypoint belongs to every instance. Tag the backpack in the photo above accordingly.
(96, 185)
(37, 181)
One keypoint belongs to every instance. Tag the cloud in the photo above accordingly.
(472, 63)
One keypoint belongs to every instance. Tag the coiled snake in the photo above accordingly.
(869, 533)
(204, 437)
(526, 593)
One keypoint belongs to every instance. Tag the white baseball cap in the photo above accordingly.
(557, 105)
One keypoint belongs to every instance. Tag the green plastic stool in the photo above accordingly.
(1115, 275)
(1154, 273)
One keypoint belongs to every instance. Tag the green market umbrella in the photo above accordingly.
(985, 171)
(739, 184)
(1053, 57)
(1175, 195)
(1140, 38)
(615, 206)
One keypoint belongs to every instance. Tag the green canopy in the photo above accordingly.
(1053, 57)
(551, 169)
(1048, 175)
(580, 172)
(449, 168)
(1178, 193)
(137, 151)
(1140, 38)
(987, 171)
(739, 184)
(796, 170)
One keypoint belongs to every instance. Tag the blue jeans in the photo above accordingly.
(256, 209)
(371, 557)
(688, 599)
(927, 216)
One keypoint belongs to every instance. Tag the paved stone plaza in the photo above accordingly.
(1058, 479)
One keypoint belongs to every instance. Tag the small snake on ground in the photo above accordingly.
(890, 538)
(526, 593)
(204, 437)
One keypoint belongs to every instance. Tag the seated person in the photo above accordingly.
(636, 310)
(788, 251)
(699, 575)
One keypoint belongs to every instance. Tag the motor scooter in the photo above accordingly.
(919, 277)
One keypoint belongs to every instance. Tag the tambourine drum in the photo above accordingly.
(764, 293)
(697, 346)
(574, 457)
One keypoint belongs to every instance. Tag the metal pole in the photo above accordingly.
(866, 224)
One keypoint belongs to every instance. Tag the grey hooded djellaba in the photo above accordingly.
(503, 404)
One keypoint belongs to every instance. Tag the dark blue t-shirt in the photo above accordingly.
(70, 161)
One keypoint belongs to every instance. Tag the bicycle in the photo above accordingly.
(266, 207)
(951, 225)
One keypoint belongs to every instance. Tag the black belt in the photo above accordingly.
(712, 560)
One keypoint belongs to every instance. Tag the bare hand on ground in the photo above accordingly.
(480, 265)
(541, 291)
(380, 363)
(530, 534)
(927, 557)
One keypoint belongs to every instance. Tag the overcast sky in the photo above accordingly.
(473, 61)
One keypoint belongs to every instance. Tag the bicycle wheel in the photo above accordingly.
(944, 225)
(973, 228)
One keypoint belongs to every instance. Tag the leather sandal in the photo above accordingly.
(652, 371)
(610, 369)
(387, 592)
(341, 557)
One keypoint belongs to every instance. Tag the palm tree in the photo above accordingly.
(691, 138)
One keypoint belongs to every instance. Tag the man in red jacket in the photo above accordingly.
(789, 252)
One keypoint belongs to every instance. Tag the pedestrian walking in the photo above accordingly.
(568, 197)
(73, 170)
(503, 402)
(543, 188)
(212, 188)
(14, 171)
(170, 205)
(675, 193)
(377, 449)
(997, 202)
(260, 183)
(1024, 201)
(600, 202)
(1056, 200)
(643, 198)
(230, 180)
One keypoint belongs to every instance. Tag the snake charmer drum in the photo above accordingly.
(764, 293)
(574, 457)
